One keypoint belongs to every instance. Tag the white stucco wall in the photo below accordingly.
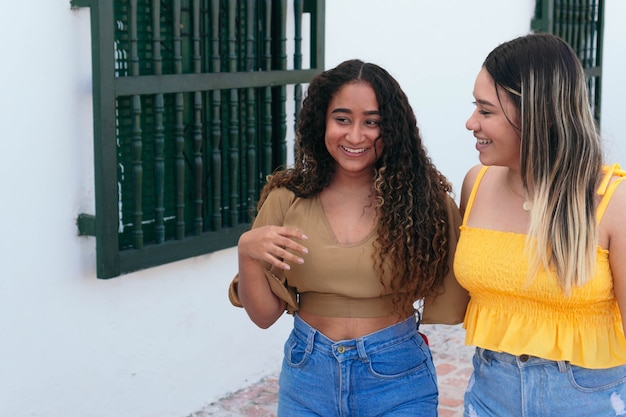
(614, 87)
(164, 342)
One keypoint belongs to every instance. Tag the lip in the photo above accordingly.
(480, 146)
(348, 150)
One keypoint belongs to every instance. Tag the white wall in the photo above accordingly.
(164, 342)
(614, 88)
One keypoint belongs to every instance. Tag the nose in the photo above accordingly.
(472, 123)
(354, 134)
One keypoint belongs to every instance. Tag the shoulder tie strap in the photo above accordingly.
(606, 187)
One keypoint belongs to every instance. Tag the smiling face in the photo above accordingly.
(493, 123)
(352, 129)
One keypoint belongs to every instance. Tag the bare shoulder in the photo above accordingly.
(470, 176)
(468, 183)
(614, 217)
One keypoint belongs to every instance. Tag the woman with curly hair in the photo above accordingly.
(348, 239)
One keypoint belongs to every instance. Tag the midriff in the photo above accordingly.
(343, 328)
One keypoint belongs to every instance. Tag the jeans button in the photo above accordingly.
(524, 358)
(341, 349)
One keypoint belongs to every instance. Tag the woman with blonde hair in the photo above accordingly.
(542, 249)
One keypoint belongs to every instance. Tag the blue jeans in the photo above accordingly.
(387, 373)
(505, 385)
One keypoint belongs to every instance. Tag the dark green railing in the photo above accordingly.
(581, 24)
(189, 118)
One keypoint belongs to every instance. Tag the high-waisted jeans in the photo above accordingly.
(505, 385)
(386, 373)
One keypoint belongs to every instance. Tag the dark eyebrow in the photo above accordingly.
(485, 103)
(368, 113)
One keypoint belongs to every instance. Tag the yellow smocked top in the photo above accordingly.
(507, 313)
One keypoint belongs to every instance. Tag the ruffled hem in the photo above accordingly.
(586, 343)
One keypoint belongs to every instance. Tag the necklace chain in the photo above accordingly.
(527, 205)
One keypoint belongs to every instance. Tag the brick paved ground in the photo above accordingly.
(452, 360)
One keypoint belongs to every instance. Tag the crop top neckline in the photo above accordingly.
(329, 229)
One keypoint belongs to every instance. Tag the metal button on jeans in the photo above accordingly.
(524, 358)
(341, 349)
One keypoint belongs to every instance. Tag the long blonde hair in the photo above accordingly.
(560, 151)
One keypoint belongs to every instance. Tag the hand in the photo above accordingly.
(270, 243)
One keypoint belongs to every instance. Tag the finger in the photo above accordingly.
(293, 233)
(290, 257)
(281, 256)
(282, 261)
(288, 243)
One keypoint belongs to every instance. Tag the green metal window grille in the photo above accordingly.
(190, 101)
(580, 23)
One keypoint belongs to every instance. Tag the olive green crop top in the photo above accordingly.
(339, 280)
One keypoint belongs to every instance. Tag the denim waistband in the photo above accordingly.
(360, 346)
(521, 361)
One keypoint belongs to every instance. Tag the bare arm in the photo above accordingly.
(433, 304)
(259, 249)
(448, 307)
(615, 220)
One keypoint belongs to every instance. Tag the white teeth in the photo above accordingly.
(353, 150)
(483, 141)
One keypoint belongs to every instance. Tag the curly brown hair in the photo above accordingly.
(412, 195)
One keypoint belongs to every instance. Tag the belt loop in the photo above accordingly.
(310, 340)
(480, 352)
(360, 347)
(562, 366)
